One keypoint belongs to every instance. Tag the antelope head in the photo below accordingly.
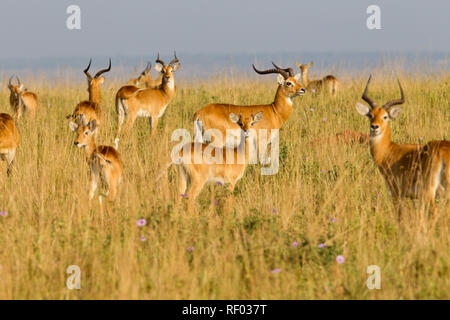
(94, 82)
(246, 123)
(145, 75)
(304, 67)
(287, 81)
(85, 131)
(379, 116)
(15, 90)
(167, 70)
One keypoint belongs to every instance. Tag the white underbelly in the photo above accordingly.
(143, 113)
(162, 111)
(216, 179)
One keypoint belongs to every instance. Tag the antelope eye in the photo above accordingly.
(86, 132)
(385, 117)
(289, 83)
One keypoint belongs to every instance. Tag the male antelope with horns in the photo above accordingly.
(410, 170)
(134, 102)
(215, 116)
(92, 109)
(21, 100)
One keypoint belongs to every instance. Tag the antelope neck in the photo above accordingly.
(305, 78)
(381, 145)
(95, 94)
(282, 105)
(90, 147)
(168, 89)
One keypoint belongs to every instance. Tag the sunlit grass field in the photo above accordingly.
(265, 247)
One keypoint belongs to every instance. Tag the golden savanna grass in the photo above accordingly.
(51, 225)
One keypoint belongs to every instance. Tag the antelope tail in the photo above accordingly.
(122, 111)
(198, 128)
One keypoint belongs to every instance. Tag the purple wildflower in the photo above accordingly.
(141, 222)
(190, 249)
(322, 245)
(295, 244)
(275, 271)
(3, 213)
(340, 259)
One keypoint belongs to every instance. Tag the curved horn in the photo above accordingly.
(98, 74)
(280, 71)
(175, 60)
(288, 70)
(158, 60)
(397, 101)
(365, 97)
(18, 81)
(86, 72)
(10, 79)
(148, 67)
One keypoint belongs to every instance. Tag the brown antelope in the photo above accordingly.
(221, 167)
(410, 170)
(134, 102)
(92, 109)
(21, 100)
(9, 140)
(328, 82)
(144, 79)
(216, 116)
(104, 161)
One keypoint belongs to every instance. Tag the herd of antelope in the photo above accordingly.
(410, 170)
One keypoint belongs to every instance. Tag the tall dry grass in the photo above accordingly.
(51, 225)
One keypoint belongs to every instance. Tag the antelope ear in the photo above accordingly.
(394, 112)
(234, 117)
(258, 116)
(310, 64)
(101, 79)
(362, 109)
(280, 79)
(175, 67)
(298, 64)
(73, 126)
(297, 77)
(158, 67)
(92, 125)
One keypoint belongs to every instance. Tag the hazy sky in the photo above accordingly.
(37, 28)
